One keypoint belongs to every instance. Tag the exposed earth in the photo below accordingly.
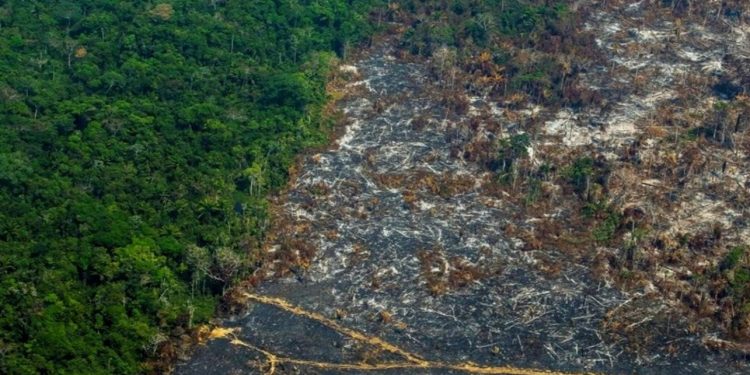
(404, 261)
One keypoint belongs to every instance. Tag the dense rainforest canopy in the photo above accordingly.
(137, 143)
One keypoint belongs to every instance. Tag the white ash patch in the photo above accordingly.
(565, 125)
(345, 141)
(350, 69)
(650, 35)
(712, 67)
(702, 212)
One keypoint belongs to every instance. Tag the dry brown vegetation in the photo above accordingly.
(444, 185)
(442, 274)
(657, 203)
(659, 209)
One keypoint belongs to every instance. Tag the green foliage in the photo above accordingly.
(507, 30)
(721, 106)
(510, 150)
(735, 268)
(132, 132)
(741, 280)
(579, 174)
(452, 23)
(515, 146)
(533, 191)
(605, 230)
(733, 257)
(522, 17)
(606, 220)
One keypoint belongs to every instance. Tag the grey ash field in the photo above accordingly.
(409, 260)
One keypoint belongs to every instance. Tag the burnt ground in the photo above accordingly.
(403, 263)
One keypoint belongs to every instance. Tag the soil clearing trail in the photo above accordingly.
(404, 264)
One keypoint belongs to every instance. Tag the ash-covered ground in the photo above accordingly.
(402, 263)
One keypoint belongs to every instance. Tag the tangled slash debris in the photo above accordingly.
(584, 258)
(410, 360)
